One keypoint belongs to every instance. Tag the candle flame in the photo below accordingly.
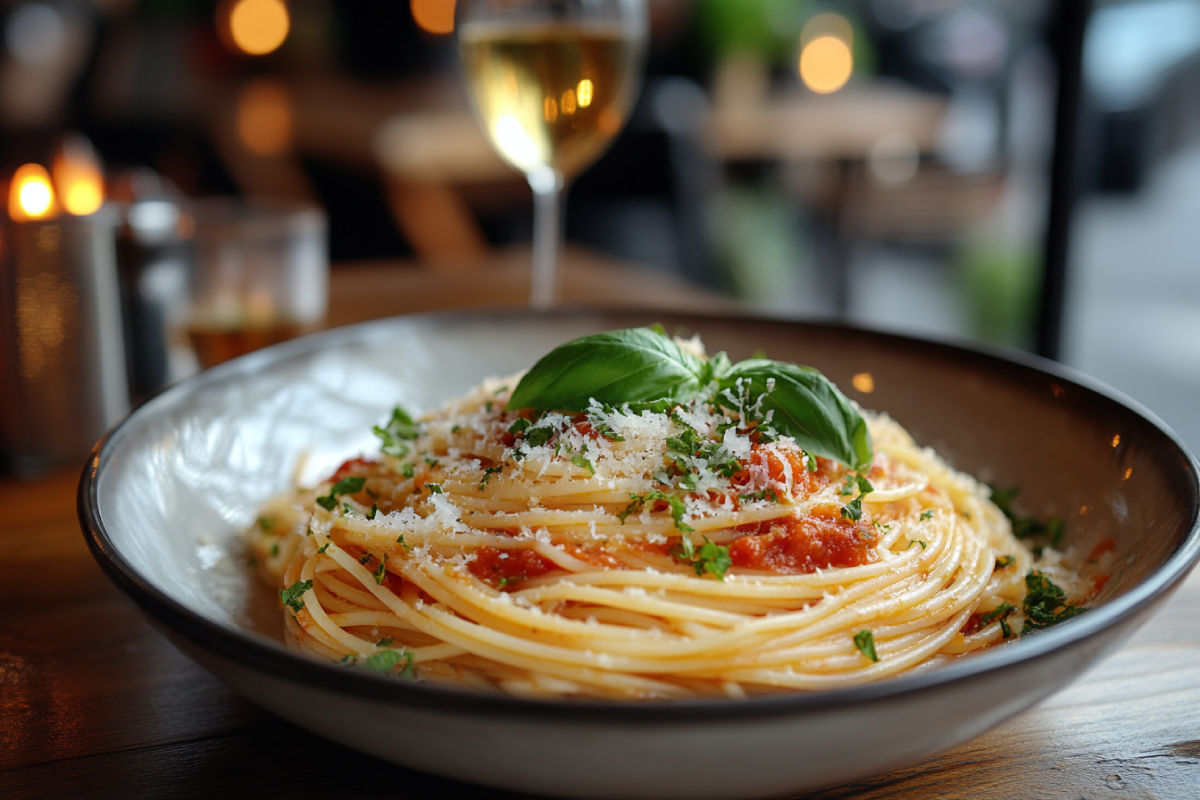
(31, 195)
(78, 177)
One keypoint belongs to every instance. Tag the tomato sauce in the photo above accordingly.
(803, 481)
(794, 546)
(504, 568)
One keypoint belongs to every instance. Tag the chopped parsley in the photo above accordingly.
(638, 502)
(580, 460)
(323, 548)
(400, 428)
(536, 437)
(714, 559)
(1001, 613)
(711, 558)
(1045, 604)
(521, 424)
(372, 511)
(381, 571)
(406, 469)
(921, 542)
(513, 579)
(601, 426)
(434, 488)
(345, 486)
(488, 472)
(761, 494)
(266, 524)
(853, 510)
(927, 514)
(275, 550)
(293, 596)
(384, 642)
(1004, 561)
(386, 662)
(400, 541)
(865, 642)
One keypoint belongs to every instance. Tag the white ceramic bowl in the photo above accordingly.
(168, 492)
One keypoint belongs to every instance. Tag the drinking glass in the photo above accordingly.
(551, 82)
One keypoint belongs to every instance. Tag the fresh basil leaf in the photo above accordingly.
(807, 407)
(634, 365)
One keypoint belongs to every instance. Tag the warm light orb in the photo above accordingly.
(826, 64)
(259, 27)
(583, 93)
(264, 117)
(434, 16)
(31, 196)
(78, 178)
(864, 382)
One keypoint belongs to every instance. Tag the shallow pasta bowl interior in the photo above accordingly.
(167, 494)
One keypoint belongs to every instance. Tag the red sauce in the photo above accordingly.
(805, 482)
(794, 546)
(504, 568)
(974, 625)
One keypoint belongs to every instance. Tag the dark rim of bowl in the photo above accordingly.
(269, 656)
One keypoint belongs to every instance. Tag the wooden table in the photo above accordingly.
(94, 703)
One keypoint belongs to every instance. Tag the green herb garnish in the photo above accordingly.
(488, 472)
(1045, 604)
(400, 427)
(345, 486)
(1000, 612)
(643, 367)
(639, 501)
(865, 642)
(386, 662)
(293, 596)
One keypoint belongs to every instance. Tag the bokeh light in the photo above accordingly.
(31, 196)
(258, 27)
(583, 93)
(434, 16)
(264, 117)
(78, 177)
(826, 64)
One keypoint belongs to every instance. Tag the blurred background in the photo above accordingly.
(1024, 173)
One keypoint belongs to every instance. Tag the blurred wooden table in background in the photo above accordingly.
(94, 703)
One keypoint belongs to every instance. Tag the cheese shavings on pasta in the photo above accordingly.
(679, 552)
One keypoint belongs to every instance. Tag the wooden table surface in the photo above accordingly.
(94, 703)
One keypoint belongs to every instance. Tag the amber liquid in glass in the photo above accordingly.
(214, 345)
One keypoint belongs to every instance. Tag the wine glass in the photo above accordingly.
(551, 82)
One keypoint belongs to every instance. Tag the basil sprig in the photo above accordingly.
(645, 368)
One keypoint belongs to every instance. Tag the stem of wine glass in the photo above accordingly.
(547, 185)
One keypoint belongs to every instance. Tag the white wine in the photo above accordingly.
(550, 95)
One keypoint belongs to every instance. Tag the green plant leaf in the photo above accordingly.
(807, 407)
(627, 366)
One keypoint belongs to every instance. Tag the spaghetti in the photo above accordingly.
(685, 549)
